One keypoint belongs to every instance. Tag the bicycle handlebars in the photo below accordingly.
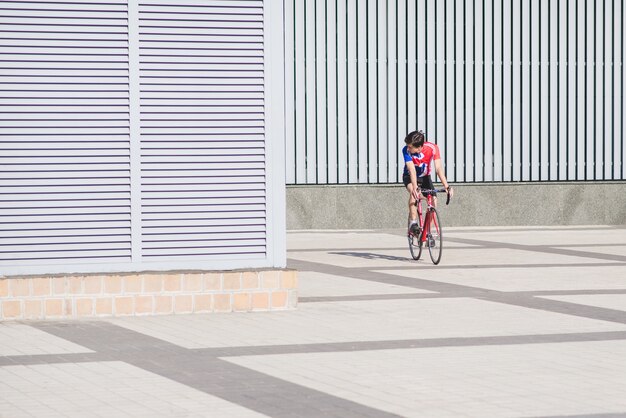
(434, 192)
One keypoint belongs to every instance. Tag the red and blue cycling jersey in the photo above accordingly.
(422, 160)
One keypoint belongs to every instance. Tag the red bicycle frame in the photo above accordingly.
(425, 221)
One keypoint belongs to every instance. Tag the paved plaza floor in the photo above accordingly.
(514, 322)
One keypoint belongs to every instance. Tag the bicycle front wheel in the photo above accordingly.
(434, 237)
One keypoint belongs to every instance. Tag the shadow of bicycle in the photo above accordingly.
(371, 256)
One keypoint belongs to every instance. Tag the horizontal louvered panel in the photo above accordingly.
(64, 235)
(166, 163)
(178, 201)
(53, 181)
(81, 158)
(215, 49)
(72, 110)
(73, 124)
(211, 18)
(191, 142)
(183, 186)
(67, 255)
(172, 5)
(56, 91)
(9, 60)
(210, 154)
(199, 126)
(205, 39)
(76, 166)
(183, 130)
(118, 20)
(202, 63)
(49, 46)
(113, 64)
(199, 216)
(175, 223)
(227, 12)
(52, 49)
(67, 5)
(69, 137)
(199, 23)
(208, 73)
(210, 161)
(66, 204)
(172, 66)
(20, 242)
(40, 27)
(61, 16)
(204, 94)
(149, 82)
(213, 61)
(8, 229)
(60, 38)
(182, 111)
(63, 265)
(207, 87)
(197, 120)
(204, 253)
(98, 152)
(248, 207)
(191, 247)
(236, 235)
(63, 116)
(205, 103)
(153, 139)
(33, 74)
(215, 175)
(118, 215)
(201, 194)
(63, 102)
(71, 190)
(64, 130)
(13, 250)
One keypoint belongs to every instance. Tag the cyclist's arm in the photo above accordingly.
(440, 173)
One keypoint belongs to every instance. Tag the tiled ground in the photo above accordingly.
(514, 322)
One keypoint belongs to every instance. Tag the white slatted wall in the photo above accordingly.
(134, 135)
(64, 132)
(511, 90)
(202, 129)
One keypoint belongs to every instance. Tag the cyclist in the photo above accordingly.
(418, 156)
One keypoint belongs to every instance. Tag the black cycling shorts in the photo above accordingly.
(423, 182)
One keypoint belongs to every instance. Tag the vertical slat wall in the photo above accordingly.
(64, 132)
(511, 90)
(202, 130)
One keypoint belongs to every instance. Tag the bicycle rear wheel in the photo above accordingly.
(434, 237)
(415, 246)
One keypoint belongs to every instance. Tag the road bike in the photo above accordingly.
(428, 231)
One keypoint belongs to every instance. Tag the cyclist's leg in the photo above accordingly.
(412, 208)
(427, 183)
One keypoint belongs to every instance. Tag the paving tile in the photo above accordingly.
(535, 278)
(516, 381)
(333, 322)
(311, 284)
(20, 339)
(516, 321)
(617, 302)
(111, 389)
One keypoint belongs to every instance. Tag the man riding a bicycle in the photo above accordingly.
(418, 156)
